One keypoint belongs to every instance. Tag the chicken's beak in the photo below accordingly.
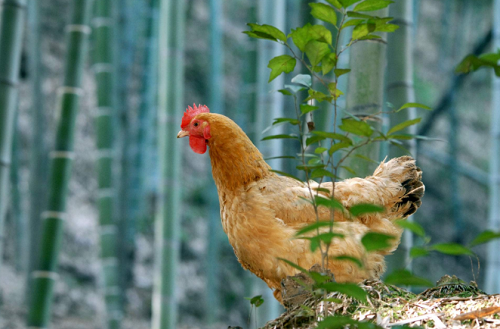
(182, 133)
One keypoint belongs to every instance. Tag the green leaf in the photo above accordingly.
(314, 139)
(260, 35)
(340, 72)
(408, 105)
(353, 22)
(314, 227)
(285, 92)
(403, 125)
(371, 5)
(347, 3)
(294, 265)
(281, 136)
(280, 157)
(356, 127)
(386, 28)
(472, 63)
(349, 289)
(303, 79)
(326, 238)
(366, 208)
(360, 31)
(335, 136)
(337, 146)
(329, 203)
(256, 301)
(454, 249)
(320, 172)
(304, 108)
(315, 51)
(349, 170)
(280, 64)
(282, 173)
(365, 158)
(335, 3)
(294, 88)
(412, 226)
(317, 95)
(373, 241)
(289, 120)
(350, 259)
(416, 252)
(301, 36)
(323, 12)
(320, 150)
(358, 15)
(485, 237)
(405, 278)
(332, 88)
(340, 322)
(274, 32)
(321, 33)
(328, 63)
(318, 278)
(370, 37)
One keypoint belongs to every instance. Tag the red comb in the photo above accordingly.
(191, 112)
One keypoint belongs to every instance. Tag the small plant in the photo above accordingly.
(323, 153)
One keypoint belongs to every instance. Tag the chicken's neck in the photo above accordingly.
(236, 162)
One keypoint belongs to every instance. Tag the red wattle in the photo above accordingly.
(198, 144)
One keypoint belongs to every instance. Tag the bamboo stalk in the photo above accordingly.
(493, 264)
(216, 80)
(45, 275)
(11, 33)
(38, 167)
(147, 127)
(171, 107)
(365, 94)
(103, 25)
(399, 90)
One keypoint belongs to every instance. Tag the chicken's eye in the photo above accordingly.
(196, 124)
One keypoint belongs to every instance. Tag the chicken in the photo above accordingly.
(261, 211)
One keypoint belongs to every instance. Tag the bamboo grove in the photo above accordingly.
(130, 68)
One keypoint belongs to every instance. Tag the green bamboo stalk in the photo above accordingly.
(366, 91)
(493, 264)
(16, 211)
(269, 106)
(103, 24)
(45, 275)
(216, 80)
(171, 107)
(12, 17)
(399, 90)
(38, 167)
(147, 127)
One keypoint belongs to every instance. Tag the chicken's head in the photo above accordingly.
(198, 130)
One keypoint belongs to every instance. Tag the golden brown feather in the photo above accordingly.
(261, 211)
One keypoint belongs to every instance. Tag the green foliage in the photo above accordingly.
(256, 300)
(473, 63)
(406, 278)
(340, 321)
(280, 64)
(324, 12)
(373, 241)
(484, 237)
(362, 209)
(454, 249)
(349, 289)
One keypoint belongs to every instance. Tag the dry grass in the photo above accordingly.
(390, 306)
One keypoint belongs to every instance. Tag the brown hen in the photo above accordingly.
(261, 211)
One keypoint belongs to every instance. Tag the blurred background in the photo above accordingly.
(161, 56)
